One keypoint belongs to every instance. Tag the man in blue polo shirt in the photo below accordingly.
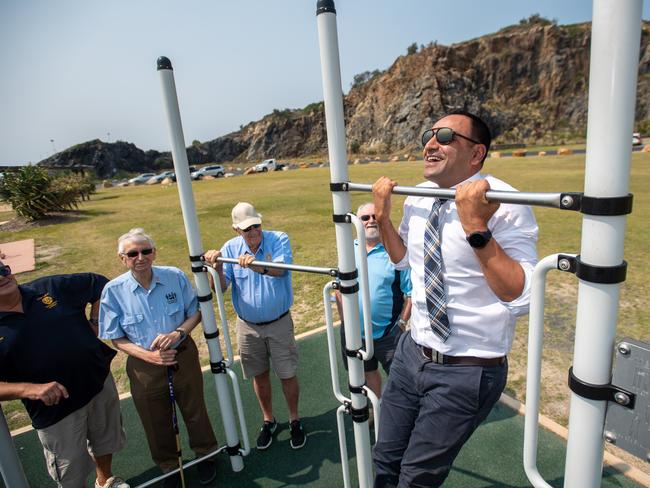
(149, 312)
(51, 359)
(262, 298)
(390, 293)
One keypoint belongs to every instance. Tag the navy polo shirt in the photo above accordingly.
(52, 341)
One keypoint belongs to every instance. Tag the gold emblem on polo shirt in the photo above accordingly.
(48, 301)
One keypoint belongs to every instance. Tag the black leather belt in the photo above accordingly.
(440, 358)
(267, 322)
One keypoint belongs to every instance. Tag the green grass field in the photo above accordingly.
(299, 203)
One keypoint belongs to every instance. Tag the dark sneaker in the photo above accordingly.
(173, 481)
(266, 434)
(207, 471)
(298, 437)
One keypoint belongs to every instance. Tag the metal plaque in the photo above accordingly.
(628, 428)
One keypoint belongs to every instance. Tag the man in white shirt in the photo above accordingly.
(471, 264)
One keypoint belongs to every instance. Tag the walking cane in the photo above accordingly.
(172, 398)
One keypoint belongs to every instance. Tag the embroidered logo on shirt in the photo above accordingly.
(268, 257)
(48, 301)
(171, 297)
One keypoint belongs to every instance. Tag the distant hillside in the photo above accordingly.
(529, 81)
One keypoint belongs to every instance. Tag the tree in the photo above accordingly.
(412, 49)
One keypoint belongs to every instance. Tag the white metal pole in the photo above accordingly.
(191, 222)
(616, 30)
(10, 466)
(333, 99)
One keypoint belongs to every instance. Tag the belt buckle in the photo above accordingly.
(437, 357)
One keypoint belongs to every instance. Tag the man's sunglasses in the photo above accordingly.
(366, 218)
(134, 254)
(444, 136)
(5, 271)
(251, 227)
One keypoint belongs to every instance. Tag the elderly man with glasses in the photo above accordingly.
(390, 294)
(149, 312)
(471, 263)
(51, 359)
(262, 298)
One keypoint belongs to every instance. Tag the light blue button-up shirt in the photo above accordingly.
(257, 297)
(387, 289)
(129, 310)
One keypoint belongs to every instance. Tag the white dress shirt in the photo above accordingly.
(481, 324)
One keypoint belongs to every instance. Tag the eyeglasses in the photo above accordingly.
(251, 227)
(134, 254)
(444, 136)
(366, 218)
(5, 271)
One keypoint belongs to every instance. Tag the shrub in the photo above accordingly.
(33, 194)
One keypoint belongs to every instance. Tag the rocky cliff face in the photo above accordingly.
(530, 82)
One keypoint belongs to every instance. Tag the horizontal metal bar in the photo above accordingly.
(290, 267)
(523, 198)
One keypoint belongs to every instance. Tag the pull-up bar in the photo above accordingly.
(291, 267)
(564, 201)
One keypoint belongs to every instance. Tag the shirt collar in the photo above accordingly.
(155, 280)
(28, 295)
(377, 247)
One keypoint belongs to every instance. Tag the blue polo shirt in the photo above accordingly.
(51, 340)
(257, 297)
(387, 289)
(129, 310)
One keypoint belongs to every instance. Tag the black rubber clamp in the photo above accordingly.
(205, 298)
(324, 6)
(353, 353)
(359, 414)
(198, 268)
(196, 258)
(234, 450)
(607, 393)
(211, 335)
(348, 275)
(339, 186)
(349, 289)
(341, 218)
(607, 205)
(357, 389)
(608, 275)
(218, 367)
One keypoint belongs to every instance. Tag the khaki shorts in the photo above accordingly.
(93, 430)
(258, 343)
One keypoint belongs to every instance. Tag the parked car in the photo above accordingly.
(636, 139)
(165, 174)
(140, 179)
(264, 166)
(215, 170)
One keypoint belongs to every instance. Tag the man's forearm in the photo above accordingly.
(391, 240)
(504, 275)
(190, 323)
(128, 347)
(12, 391)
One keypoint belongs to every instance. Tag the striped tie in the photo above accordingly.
(433, 283)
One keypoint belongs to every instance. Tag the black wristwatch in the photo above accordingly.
(479, 240)
(182, 333)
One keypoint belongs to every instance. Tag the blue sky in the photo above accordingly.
(76, 70)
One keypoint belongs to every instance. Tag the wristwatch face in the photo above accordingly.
(479, 239)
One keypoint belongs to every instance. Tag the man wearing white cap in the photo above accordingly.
(262, 298)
